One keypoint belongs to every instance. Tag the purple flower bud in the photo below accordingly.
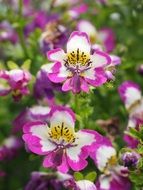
(140, 69)
(130, 159)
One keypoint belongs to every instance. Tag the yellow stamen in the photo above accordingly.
(76, 57)
(62, 132)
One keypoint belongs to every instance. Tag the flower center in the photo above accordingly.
(111, 162)
(62, 133)
(77, 61)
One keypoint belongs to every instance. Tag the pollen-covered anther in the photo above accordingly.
(77, 58)
(112, 161)
(62, 133)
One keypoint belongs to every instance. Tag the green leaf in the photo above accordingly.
(12, 65)
(137, 178)
(26, 65)
(78, 176)
(134, 133)
(91, 176)
(140, 164)
(140, 149)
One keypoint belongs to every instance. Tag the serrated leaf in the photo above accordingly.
(134, 133)
(91, 176)
(12, 65)
(26, 65)
(78, 176)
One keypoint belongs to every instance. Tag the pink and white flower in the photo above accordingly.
(77, 68)
(63, 147)
(79, 185)
(114, 175)
(87, 27)
(105, 36)
(15, 82)
(85, 185)
(34, 113)
(77, 10)
(111, 68)
(130, 94)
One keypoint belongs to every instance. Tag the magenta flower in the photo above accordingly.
(77, 10)
(63, 147)
(131, 141)
(107, 36)
(7, 33)
(9, 148)
(130, 94)
(114, 176)
(15, 82)
(34, 113)
(111, 68)
(77, 68)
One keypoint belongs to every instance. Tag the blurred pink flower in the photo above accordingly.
(14, 82)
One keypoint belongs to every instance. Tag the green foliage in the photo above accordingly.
(91, 176)
(12, 65)
(26, 65)
(78, 176)
(137, 178)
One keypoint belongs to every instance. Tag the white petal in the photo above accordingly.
(103, 154)
(41, 131)
(47, 145)
(90, 74)
(78, 40)
(85, 185)
(86, 26)
(63, 72)
(42, 110)
(104, 182)
(56, 55)
(47, 67)
(132, 95)
(82, 140)
(100, 59)
(60, 117)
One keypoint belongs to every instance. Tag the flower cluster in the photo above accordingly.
(131, 95)
(14, 82)
(60, 93)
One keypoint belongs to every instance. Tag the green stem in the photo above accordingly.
(20, 30)
(76, 103)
